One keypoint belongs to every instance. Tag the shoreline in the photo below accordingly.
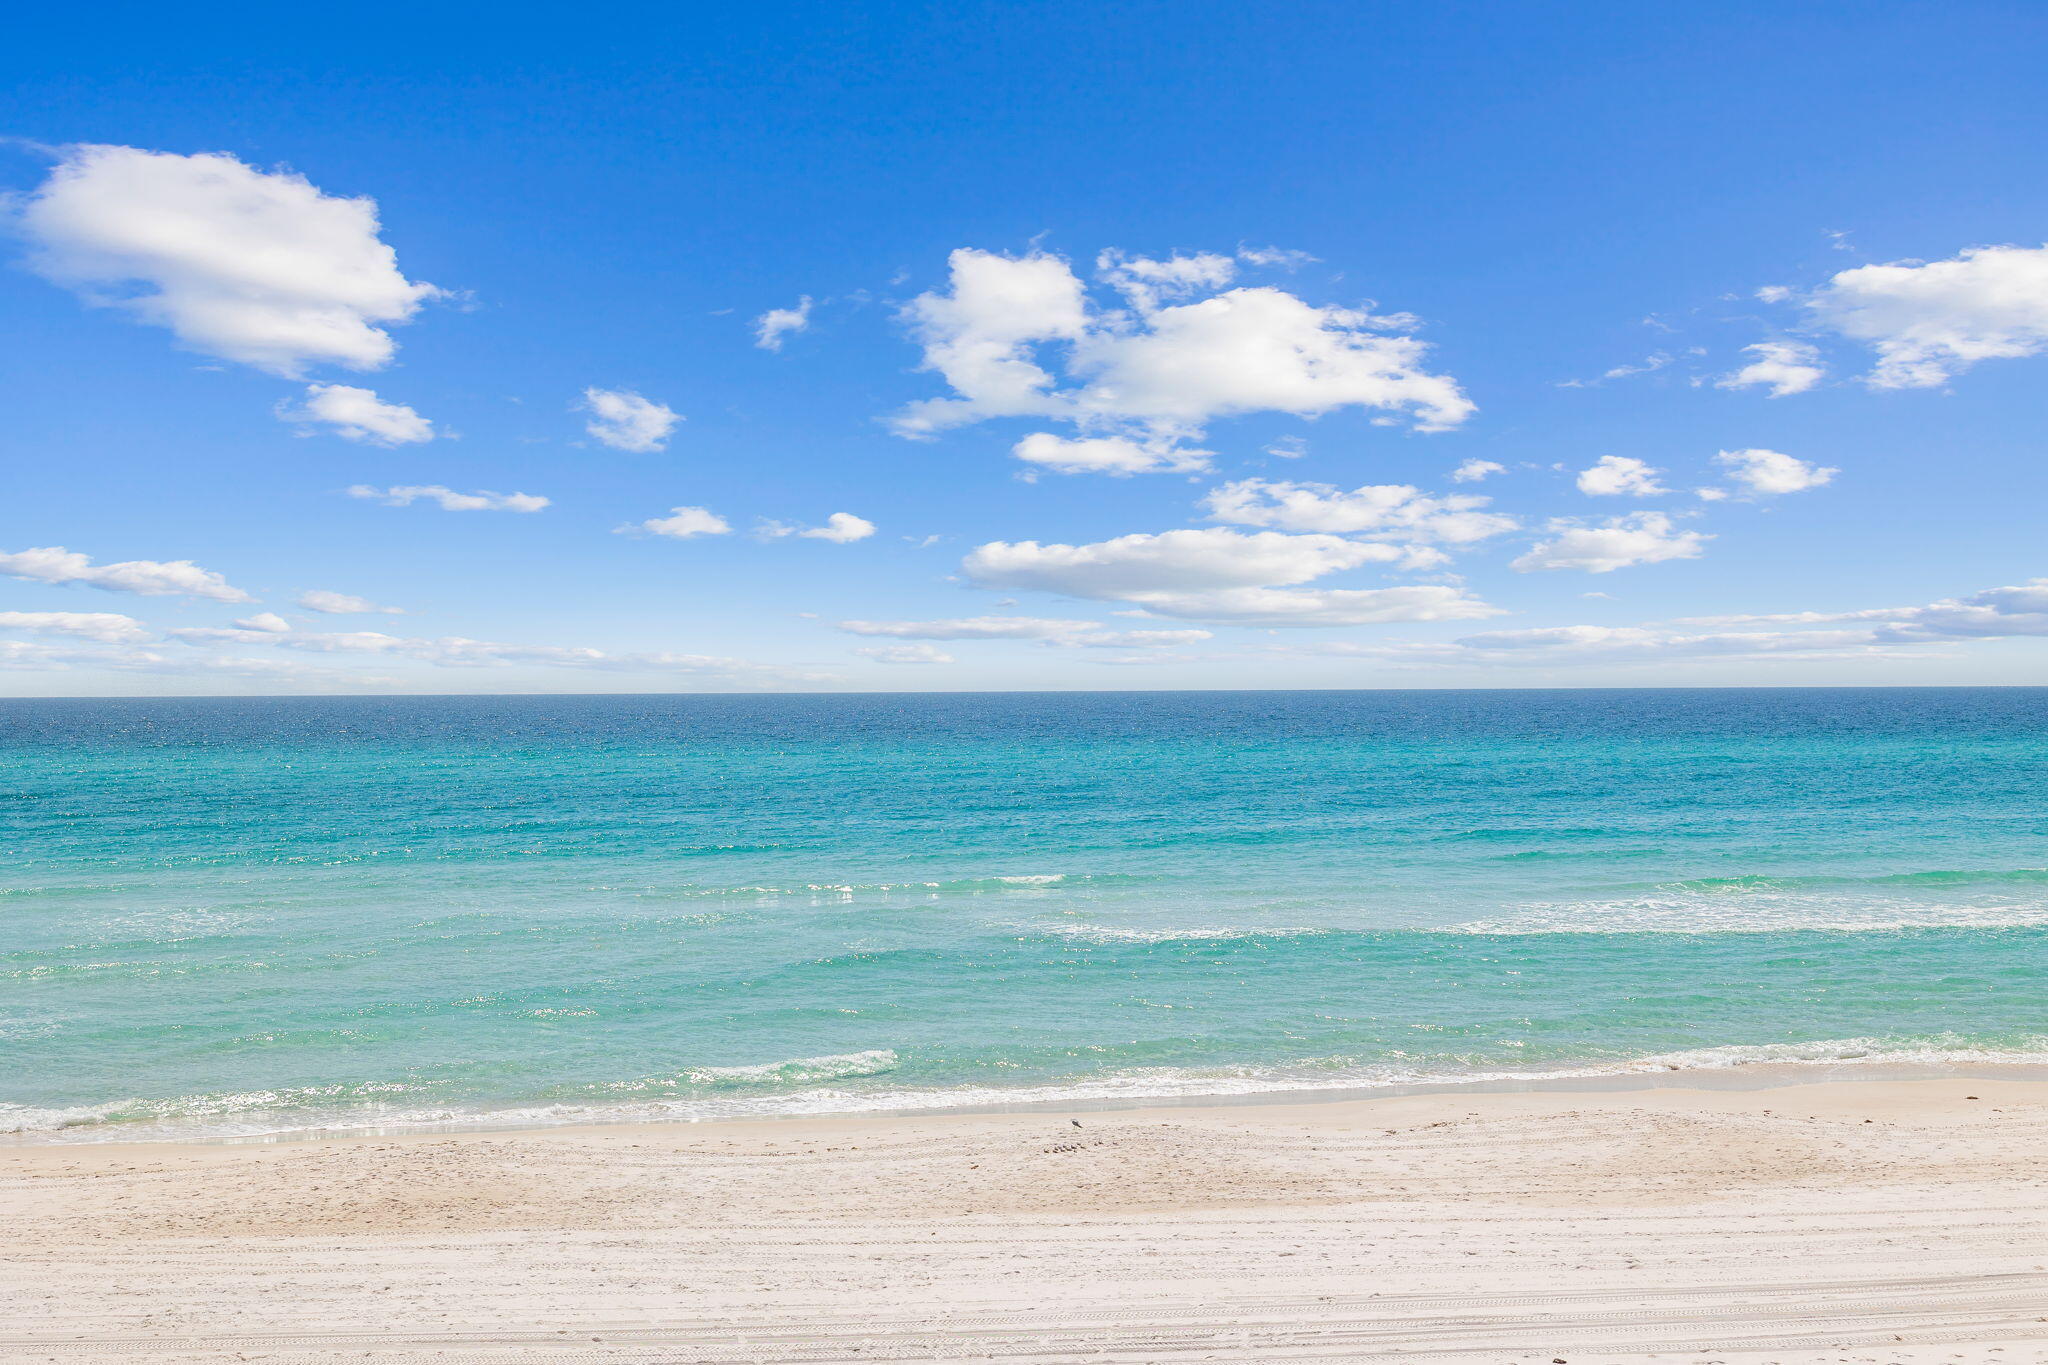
(1741, 1077)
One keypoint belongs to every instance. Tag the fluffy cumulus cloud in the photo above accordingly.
(268, 622)
(105, 626)
(1617, 543)
(775, 324)
(1116, 455)
(625, 421)
(1765, 472)
(1147, 283)
(1170, 561)
(1219, 575)
(1784, 367)
(258, 267)
(1472, 471)
(1622, 476)
(358, 414)
(1045, 630)
(1391, 509)
(682, 523)
(483, 500)
(1258, 350)
(840, 528)
(1167, 363)
(342, 604)
(143, 577)
(980, 334)
(1928, 321)
(905, 654)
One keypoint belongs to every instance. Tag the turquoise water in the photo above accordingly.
(244, 916)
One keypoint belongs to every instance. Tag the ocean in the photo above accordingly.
(230, 917)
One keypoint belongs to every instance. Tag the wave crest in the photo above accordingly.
(798, 1070)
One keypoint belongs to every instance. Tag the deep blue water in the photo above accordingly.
(249, 915)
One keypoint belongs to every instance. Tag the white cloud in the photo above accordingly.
(1272, 607)
(1283, 257)
(1145, 283)
(2019, 609)
(1052, 631)
(681, 523)
(1551, 646)
(359, 415)
(1472, 471)
(1620, 476)
(455, 651)
(625, 421)
(905, 654)
(1117, 455)
(105, 626)
(1786, 367)
(1257, 350)
(1930, 321)
(1171, 561)
(341, 604)
(1768, 471)
(1392, 509)
(839, 528)
(16, 655)
(27, 656)
(1218, 575)
(144, 577)
(1617, 543)
(243, 634)
(246, 265)
(974, 628)
(268, 622)
(483, 500)
(1161, 371)
(1885, 632)
(1139, 639)
(978, 337)
(776, 323)
(1651, 363)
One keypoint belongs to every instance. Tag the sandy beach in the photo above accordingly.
(1838, 1221)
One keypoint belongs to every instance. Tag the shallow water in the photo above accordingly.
(236, 916)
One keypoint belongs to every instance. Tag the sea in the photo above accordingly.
(242, 918)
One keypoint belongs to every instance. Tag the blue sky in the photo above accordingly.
(1219, 302)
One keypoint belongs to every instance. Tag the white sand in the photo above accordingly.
(1871, 1221)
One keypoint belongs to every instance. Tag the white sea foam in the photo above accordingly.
(1757, 912)
(1113, 933)
(846, 890)
(798, 1070)
(221, 1116)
